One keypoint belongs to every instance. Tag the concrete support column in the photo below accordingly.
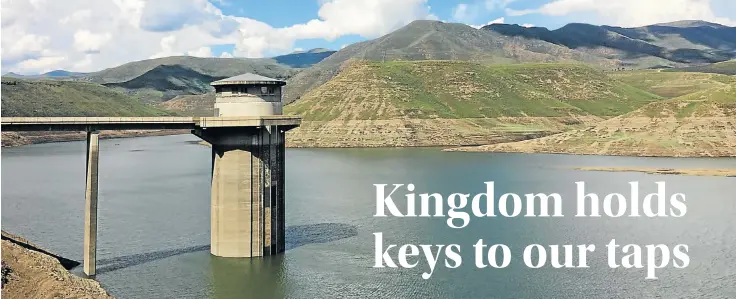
(235, 217)
(90, 205)
(247, 213)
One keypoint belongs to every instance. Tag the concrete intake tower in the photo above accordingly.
(247, 200)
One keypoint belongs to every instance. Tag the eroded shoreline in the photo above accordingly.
(32, 272)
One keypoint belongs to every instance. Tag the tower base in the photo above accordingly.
(247, 200)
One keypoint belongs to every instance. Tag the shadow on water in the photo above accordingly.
(296, 236)
(300, 235)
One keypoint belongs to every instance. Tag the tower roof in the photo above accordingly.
(249, 78)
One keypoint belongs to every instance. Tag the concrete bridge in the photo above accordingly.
(247, 196)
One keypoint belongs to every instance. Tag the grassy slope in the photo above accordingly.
(67, 98)
(697, 124)
(672, 84)
(430, 103)
(714, 102)
(445, 89)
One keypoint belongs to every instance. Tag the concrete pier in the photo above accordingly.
(90, 204)
(247, 207)
(247, 197)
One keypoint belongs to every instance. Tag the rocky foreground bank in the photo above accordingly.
(31, 272)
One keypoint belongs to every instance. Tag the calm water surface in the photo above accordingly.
(154, 223)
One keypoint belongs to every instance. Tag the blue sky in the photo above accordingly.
(89, 35)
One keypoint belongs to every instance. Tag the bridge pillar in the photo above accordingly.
(247, 199)
(90, 206)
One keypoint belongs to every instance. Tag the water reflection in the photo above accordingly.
(265, 277)
(247, 278)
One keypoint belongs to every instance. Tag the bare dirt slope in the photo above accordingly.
(32, 273)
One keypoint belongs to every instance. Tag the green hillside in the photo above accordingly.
(447, 89)
(672, 84)
(439, 103)
(714, 102)
(68, 98)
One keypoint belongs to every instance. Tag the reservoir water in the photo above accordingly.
(154, 223)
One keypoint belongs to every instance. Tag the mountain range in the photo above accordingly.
(660, 45)
(464, 85)
(669, 45)
(676, 44)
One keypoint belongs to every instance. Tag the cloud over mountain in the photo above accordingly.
(42, 35)
(86, 35)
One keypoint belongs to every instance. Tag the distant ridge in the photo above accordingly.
(165, 82)
(57, 74)
(672, 44)
(690, 23)
(304, 59)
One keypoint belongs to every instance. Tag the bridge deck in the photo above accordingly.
(142, 123)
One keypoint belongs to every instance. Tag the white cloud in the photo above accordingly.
(85, 35)
(343, 47)
(89, 42)
(633, 12)
(201, 52)
(25, 46)
(298, 49)
(226, 55)
(131, 10)
(527, 25)
(496, 21)
(367, 18)
(168, 43)
(77, 16)
(43, 64)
